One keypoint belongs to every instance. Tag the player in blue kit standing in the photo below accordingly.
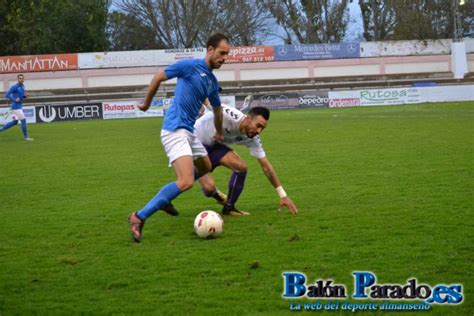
(196, 82)
(17, 94)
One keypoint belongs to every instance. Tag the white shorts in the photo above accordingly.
(18, 115)
(182, 142)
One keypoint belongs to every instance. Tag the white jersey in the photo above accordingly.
(205, 131)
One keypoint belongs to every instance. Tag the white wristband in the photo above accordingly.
(281, 192)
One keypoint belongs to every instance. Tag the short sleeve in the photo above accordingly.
(256, 148)
(179, 69)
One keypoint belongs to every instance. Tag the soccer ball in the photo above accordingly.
(208, 224)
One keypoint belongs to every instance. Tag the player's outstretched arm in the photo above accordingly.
(152, 88)
(273, 178)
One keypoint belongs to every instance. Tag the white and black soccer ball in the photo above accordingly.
(208, 224)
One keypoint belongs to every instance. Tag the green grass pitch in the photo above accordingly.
(381, 189)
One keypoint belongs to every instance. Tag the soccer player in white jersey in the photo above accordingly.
(196, 83)
(239, 129)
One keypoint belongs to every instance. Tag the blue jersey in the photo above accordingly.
(196, 82)
(16, 91)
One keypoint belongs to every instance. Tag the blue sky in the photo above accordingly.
(355, 25)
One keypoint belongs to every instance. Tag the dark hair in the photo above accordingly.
(259, 110)
(20, 75)
(215, 40)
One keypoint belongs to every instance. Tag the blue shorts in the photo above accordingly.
(216, 152)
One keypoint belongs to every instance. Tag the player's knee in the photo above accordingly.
(240, 167)
(185, 184)
(208, 188)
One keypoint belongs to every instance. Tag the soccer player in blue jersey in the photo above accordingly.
(196, 82)
(16, 94)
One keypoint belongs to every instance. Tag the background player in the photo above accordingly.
(17, 94)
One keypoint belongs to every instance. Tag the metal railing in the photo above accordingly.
(245, 87)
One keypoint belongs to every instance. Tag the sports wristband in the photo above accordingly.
(281, 192)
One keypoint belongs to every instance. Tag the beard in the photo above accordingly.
(216, 65)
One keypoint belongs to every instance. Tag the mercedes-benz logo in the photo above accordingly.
(282, 50)
(351, 48)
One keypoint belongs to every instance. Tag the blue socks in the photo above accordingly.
(168, 193)
(9, 124)
(13, 123)
(23, 128)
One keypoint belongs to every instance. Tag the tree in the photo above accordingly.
(126, 32)
(378, 18)
(7, 38)
(413, 19)
(310, 21)
(246, 22)
(420, 20)
(50, 26)
(188, 23)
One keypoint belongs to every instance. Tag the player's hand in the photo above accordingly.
(143, 107)
(286, 201)
(218, 138)
(17, 99)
